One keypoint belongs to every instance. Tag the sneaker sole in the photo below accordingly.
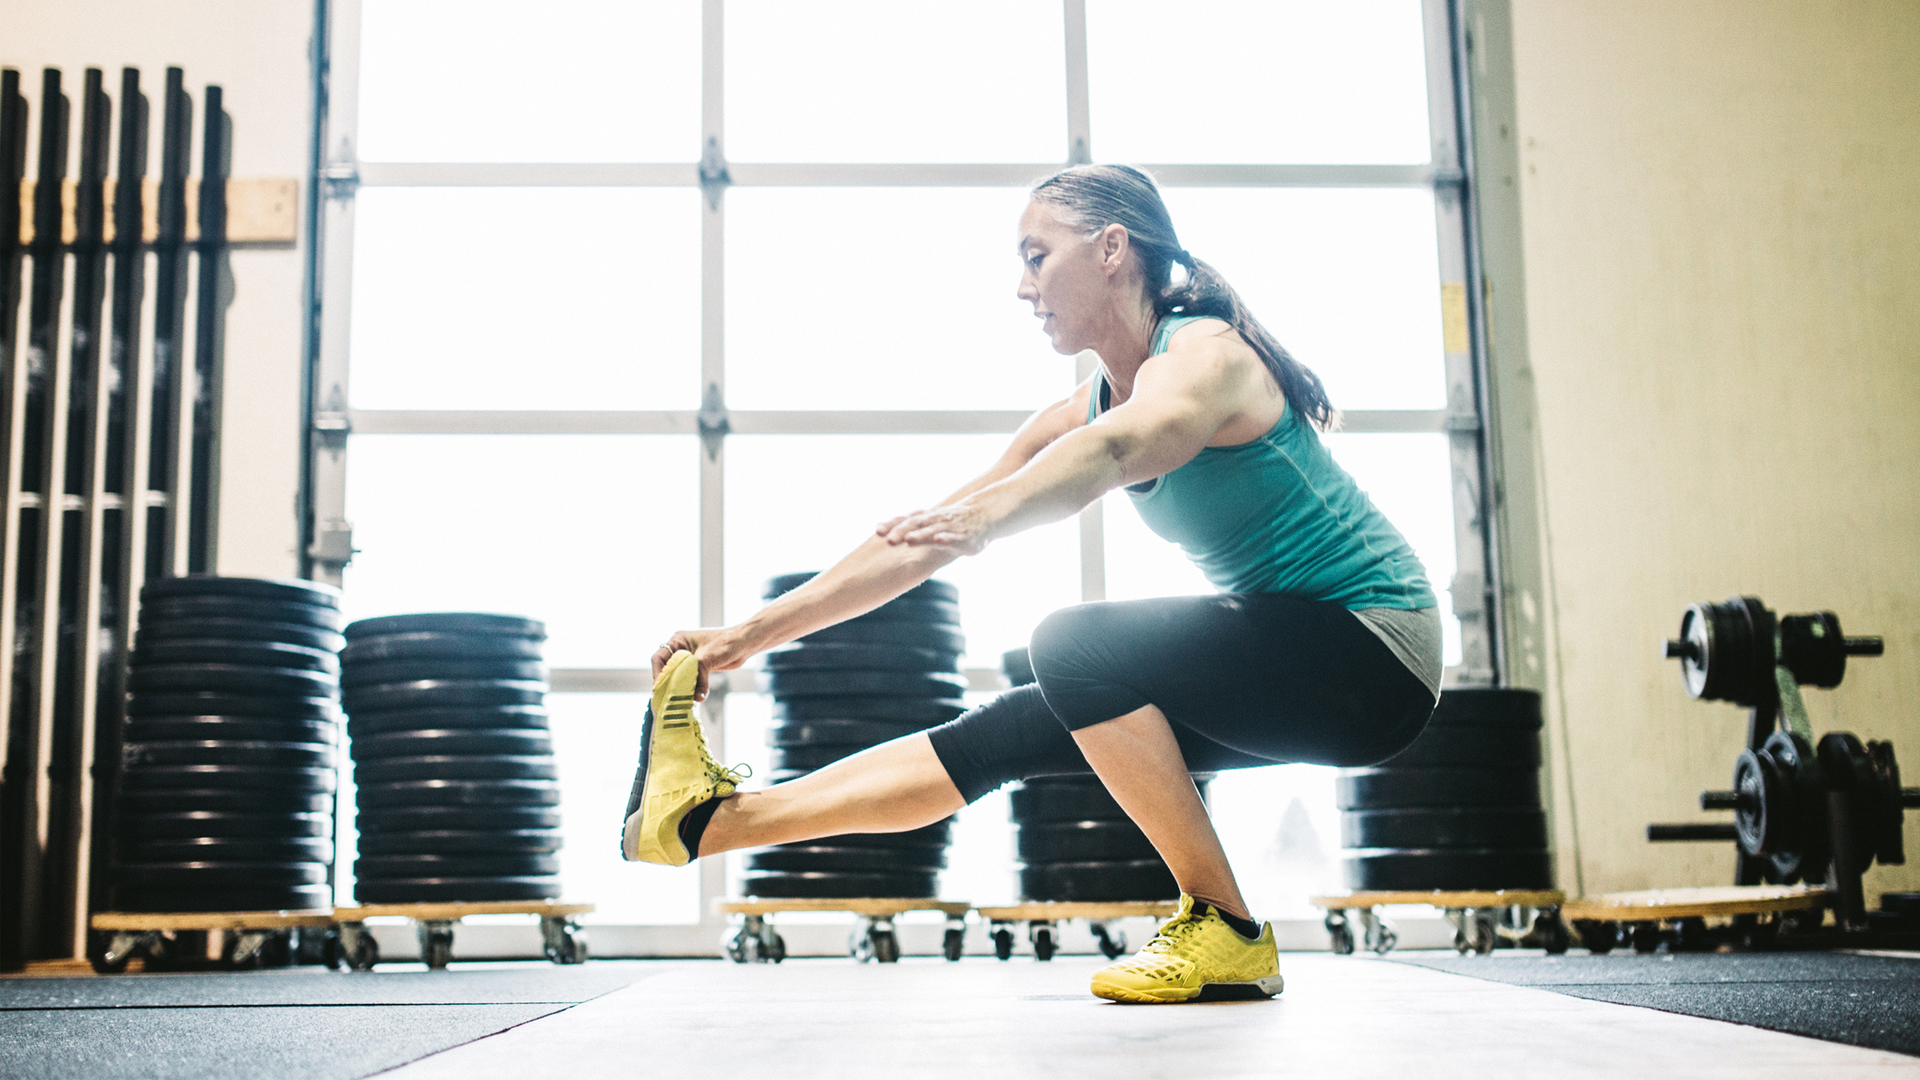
(1257, 990)
(630, 834)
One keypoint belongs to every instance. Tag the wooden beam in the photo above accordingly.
(262, 210)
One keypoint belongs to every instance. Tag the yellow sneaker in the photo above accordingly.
(676, 772)
(1194, 958)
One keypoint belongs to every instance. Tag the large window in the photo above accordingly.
(626, 307)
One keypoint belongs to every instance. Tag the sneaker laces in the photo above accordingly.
(1172, 933)
(721, 776)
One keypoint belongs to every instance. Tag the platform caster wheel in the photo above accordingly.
(954, 945)
(358, 948)
(1043, 944)
(886, 947)
(1003, 943)
(1596, 936)
(1339, 933)
(565, 941)
(436, 943)
(109, 951)
(1381, 938)
(1645, 937)
(1111, 944)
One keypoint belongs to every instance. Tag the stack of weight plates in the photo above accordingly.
(453, 759)
(1073, 841)
(888, 673)
(226, 794)
(1458, 809)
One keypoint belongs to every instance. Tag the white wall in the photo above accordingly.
(257, 52)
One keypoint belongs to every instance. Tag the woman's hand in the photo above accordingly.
(713, 650)
(960, 527)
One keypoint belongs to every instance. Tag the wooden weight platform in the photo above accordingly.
(119, 936)
(1762, 916)
(1480, 918)
(560, 932)
(1044, 916)
(754, 941)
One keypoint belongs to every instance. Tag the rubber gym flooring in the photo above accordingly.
(1863, 999)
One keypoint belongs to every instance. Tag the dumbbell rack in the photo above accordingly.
(1820, 811)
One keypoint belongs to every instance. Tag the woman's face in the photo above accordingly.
(1065, 276)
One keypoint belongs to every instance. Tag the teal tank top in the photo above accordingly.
(1278, 515)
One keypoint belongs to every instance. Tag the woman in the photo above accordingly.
(1323, 645)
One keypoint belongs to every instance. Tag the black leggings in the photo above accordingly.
(1246, 679)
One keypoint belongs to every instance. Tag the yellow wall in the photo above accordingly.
(1719, 221)
(257, 52)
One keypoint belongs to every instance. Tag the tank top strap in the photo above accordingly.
(1162, 337)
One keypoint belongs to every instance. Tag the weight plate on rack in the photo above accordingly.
(1802, 847)
(266, 654)
(787, 685)
(386, 672)
(226, 778)
(455, 767)
(937, 835)
(222, 703)
(809, 758)
(462, 793)
(924, 711)
(1080, 841)
(225, 849)
(1064, 798)
(1487, 706)
(198, 823)
(1393, 789)
(842, 860)
(296, 898)
(239, 678)
(845, 655)
(164, 728)
(930, 589)
(800, 884)
(287, 590)
(457, 890)
(1017, 666)
(449, 622)
(1481, 827)
(918, 635)
(413, 866)
(488, 717)
(217, 629)
(219, 875)
(226, 800)
(904, 610)
(1098, 880)
(521, 742)
(413, 819)
(170, 608)
(1453, 868)
(838, 733)
(1470, 745)
(1890, 804)
(231, 752)
(423, 644)
(443, 693)
(457, 841)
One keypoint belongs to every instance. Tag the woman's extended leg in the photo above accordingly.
(892, 787)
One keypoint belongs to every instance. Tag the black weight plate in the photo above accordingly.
(457, 841)
(171, 608)
(297, 898)
(842, 656)
(1447, 828)
(1902, 903)
(463, 793)
(234, 752)
(1488, 707)
(226, 800)
(226, 778)
(819, 884)
(837, 733)
(163, 728)
(273, 654)
(1453, 868)
(523, 717)
(414, 866)
(937, 835)
(809, 758)
(455, 767)
(514, 741)
(457, 890)
(213, 629)
(1133, 879)
(1017, 666)
(862, 860)
(925, 612)
(914, 634)
(238, 678)
(1393, 789)
(412, 819)
(218, 875)
(225, 849)
(386, 672)
(423, 644)
(1481, 745)
(922, 711)
(220, 703)
(930, 589)
(1064, 799)
(283, 589)
(443, 693)
(795, 684)
(449, 622)
(781, 776)
(192, 823)
(1080, 841)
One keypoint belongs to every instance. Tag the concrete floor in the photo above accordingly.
(1340, 1017)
